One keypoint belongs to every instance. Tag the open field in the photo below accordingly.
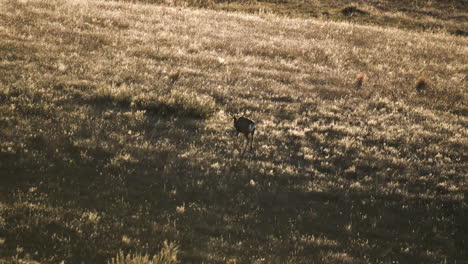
(101, 152)
(450, 16)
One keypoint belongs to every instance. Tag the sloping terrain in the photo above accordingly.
(102, 149)
(449, 16)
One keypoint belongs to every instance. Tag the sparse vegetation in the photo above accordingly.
(103, 157)
(168, 255)
(449, 16)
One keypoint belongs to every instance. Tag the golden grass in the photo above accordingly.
(432, 16)
(98, 144)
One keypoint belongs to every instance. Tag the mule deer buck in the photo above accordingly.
(245, 126)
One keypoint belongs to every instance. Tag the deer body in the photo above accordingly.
(245, 126)
(173, 76)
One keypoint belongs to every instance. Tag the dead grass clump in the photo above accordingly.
(422, 84)
(167, 255)
(111, 94)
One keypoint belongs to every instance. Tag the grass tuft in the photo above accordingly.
(121, 95)
(167, 255)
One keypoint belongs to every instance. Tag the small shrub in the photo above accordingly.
(167, 255)
(422, 84)
(118, 94)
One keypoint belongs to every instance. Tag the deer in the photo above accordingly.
(172, 77)
(360, 76)
(245, 126)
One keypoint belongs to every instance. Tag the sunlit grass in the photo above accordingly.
(116, 136)
(167, 255)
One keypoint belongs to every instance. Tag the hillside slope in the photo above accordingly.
(450, 16)
(101, 150)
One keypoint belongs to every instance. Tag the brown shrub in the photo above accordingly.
(422, 84)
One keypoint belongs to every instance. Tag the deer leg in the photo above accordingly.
(236, 143)
(251, 140)
(246, 142)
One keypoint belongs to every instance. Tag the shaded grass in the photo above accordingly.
(100, 154)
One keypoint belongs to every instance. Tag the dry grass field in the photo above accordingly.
(450, 16)
(116, 137)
